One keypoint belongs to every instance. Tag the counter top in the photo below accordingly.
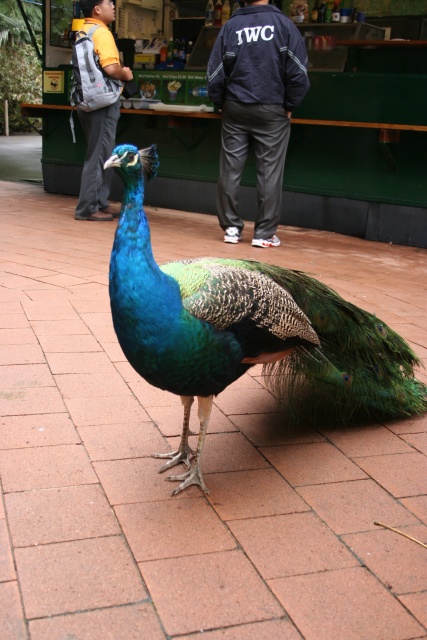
(382, 43)
(40, 110)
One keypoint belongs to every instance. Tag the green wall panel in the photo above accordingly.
(353, 163)
(395, 60)
(386, 98)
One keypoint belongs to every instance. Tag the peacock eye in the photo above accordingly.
(131, 157)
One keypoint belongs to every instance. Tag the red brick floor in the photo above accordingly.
(93, 546)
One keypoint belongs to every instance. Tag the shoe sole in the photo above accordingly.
(115, 215)
(91, 219)
(265, 245)
(232, 240)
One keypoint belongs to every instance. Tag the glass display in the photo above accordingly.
(202, 49)
(62, 13)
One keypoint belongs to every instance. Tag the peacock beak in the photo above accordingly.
(114, 161)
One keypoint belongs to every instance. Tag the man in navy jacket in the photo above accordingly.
(257, 75)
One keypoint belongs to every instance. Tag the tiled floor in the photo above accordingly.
(93, 546)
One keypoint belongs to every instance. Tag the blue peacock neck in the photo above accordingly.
(138, 288)
(133, 228)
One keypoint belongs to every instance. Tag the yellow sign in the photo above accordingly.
(145, 58)
(53, 81)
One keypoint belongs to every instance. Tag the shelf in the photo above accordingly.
(40, 110)
(382, 43)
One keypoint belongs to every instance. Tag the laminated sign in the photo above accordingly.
(53, 81)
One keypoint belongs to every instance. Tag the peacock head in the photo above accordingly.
(129, 160)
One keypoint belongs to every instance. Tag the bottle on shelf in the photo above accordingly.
(175, 53)
(209, 17)
(354, 14)
(336, 12)
(189, 51)
(235, 6)
(182, 50)
(226, 11)
(164, 51)
(218, 13)
(315, 11)
(328, 12)
(321, 14)
(170, 49)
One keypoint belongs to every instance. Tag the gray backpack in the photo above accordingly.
(91, 89)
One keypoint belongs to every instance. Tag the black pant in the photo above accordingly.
(100, 131)
(268, 128)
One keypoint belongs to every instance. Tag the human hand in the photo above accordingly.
(128, 74)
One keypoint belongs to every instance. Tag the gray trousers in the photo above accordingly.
(268, 128)
(100, 131)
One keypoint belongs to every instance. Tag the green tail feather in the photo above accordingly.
(361, 368)
(314, 388)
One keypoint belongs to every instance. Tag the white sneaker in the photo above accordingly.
(271, 242)
(232, 235)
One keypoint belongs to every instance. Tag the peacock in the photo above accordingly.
(192, 327)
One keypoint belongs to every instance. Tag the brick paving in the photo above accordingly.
(93, 546)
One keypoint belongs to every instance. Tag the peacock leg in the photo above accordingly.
(184, 451)
(194, 475)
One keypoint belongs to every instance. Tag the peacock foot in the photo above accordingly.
(175, 457)
(193, 476)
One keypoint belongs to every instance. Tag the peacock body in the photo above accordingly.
(193, 327)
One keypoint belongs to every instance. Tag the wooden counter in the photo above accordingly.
(42, 110)
(382, 43)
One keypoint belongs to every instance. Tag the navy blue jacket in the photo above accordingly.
(259, 57)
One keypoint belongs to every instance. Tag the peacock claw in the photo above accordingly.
(176, 457)
(193, 476)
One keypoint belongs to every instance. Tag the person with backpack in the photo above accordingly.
(100, 125)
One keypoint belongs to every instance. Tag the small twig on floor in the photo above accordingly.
(380, 524)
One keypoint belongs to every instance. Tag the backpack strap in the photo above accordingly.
(81, 34)
(73, 133)
(92, 30)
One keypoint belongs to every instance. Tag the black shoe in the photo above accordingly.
(112, 210)
(97, 216)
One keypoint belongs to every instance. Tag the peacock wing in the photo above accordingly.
(225, 294)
